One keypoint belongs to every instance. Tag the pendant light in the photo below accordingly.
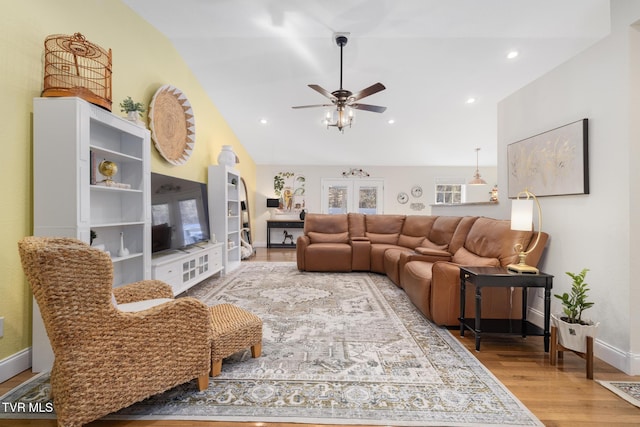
(476, 178)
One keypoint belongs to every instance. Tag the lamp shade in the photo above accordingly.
(522, 214)
(273, 203)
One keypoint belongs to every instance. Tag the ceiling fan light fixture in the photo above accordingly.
(344, 101)
(340, 118)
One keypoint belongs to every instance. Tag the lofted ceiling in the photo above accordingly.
(255, 59)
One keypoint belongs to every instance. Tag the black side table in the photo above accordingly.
(500, 277)
(282, 223)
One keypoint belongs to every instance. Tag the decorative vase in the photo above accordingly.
(574, 335)
(122, 251)
(227, 157)
(302, 214)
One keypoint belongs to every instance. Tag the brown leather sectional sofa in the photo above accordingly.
(421, 254)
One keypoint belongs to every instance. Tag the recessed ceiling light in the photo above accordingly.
(391, 121)
(513, 54)
(471, 100)
(263, 121)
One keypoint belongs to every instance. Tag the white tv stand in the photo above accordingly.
(183, 268)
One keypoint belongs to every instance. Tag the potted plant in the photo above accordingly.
(133, 109)
(572, 329)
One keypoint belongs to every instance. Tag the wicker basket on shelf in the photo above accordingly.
(74, 66)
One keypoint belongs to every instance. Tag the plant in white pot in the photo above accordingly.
(572, 329)
(133, 109)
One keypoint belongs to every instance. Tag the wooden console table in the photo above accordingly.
(282, 224)
(500, 277)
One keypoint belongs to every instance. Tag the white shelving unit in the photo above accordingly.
(70, 138)
(186, 267)
(225, 213)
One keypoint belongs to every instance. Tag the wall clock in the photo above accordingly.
(403, 197)
(172, 124)
(416, 191)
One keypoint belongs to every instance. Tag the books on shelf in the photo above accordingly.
(113, 184)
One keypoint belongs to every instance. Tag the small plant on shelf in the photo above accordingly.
(129, 106)
(575, 303)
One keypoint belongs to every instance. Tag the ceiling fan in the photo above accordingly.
(343, 99)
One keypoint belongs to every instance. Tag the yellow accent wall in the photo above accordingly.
(143, 60)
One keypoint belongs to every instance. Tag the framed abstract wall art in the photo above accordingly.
(553, 163)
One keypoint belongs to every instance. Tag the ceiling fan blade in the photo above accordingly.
(313, 106)
(367, 107)
(323, 92)
(375, 88)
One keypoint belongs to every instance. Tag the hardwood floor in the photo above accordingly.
(560, 396)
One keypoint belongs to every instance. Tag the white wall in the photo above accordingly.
(595, 231)
(396, 179)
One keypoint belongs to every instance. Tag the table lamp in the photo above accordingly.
(522, 219)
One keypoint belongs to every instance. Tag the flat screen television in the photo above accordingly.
(179, 213)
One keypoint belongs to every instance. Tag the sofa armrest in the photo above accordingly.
(430, 255)
(435, 254)
(301, 247)
(142, 290)
(445, 293)
(360, 254)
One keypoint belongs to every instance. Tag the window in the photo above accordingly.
(449, 193)
(352, 195)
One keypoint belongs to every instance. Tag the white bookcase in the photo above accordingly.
(225, 213)
(70, 138)
(186, 267)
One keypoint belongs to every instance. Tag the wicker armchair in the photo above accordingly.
(106, 359)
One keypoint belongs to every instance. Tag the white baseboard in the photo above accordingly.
(628, 363)
(14, 364)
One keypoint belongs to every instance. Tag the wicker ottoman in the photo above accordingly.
(234, 329)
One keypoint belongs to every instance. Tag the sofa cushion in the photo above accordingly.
(443, 229)
(388, 239)
(464, 257)
(328, 257)
(317, 237)
(384, 224)
(487, 237)
(410, 241)
(326, 223)
(426, 243)
(415, 229)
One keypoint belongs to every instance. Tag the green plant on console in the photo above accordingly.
(576, 302)
(128, 106)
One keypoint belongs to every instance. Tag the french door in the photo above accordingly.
(352, 195)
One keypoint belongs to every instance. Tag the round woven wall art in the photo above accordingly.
(172, 124)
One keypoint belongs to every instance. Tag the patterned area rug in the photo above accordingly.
(628, 390)
(337, 349)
